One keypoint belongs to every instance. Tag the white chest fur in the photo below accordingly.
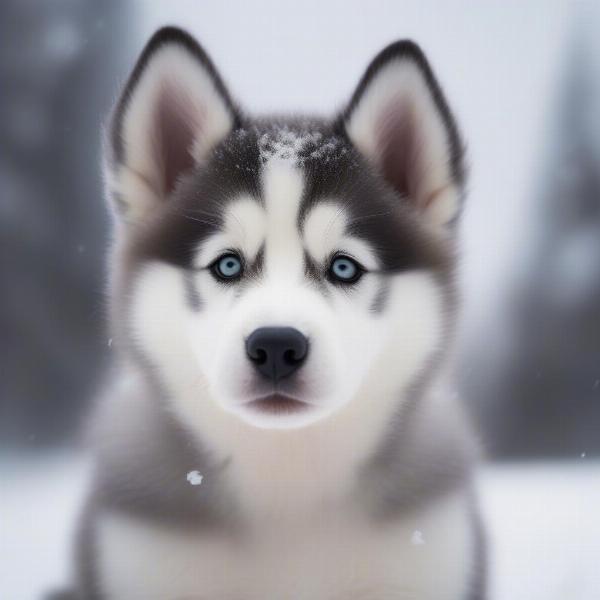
(336, 556)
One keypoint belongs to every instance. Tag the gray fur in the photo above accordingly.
(480, 552)
(87, 585)
(160, 453)
(151, 483)
(192, 295)
(380, 300)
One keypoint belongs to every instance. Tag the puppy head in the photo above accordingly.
(273, 269)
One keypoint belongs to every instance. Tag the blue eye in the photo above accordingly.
(345, 270)
(227, 267)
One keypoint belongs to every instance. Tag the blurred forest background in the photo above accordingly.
(528, 100)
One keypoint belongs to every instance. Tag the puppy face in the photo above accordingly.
(277, 268)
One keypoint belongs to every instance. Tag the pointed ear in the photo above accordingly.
(173, 111)
(399, 119)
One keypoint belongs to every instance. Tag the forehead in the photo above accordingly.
(306, 173)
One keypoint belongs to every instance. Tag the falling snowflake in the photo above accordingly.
(194, 477)
(417, 538)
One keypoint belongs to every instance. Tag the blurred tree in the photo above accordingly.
(58, 73)
(536, 389)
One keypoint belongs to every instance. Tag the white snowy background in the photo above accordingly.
(499, 63)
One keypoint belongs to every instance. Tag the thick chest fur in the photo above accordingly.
(333, 557)
(306, 528)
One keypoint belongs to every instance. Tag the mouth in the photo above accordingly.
(278, 404)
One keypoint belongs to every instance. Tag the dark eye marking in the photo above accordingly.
(191, 291)
(255, 269)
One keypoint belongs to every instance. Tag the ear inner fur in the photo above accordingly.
(399, 119)
(173, 111)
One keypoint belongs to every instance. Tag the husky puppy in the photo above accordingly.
(282, 303)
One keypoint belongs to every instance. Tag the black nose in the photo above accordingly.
(276, 352)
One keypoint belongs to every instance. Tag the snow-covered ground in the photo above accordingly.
(38, 502)
(543, 521)
(544, 526)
